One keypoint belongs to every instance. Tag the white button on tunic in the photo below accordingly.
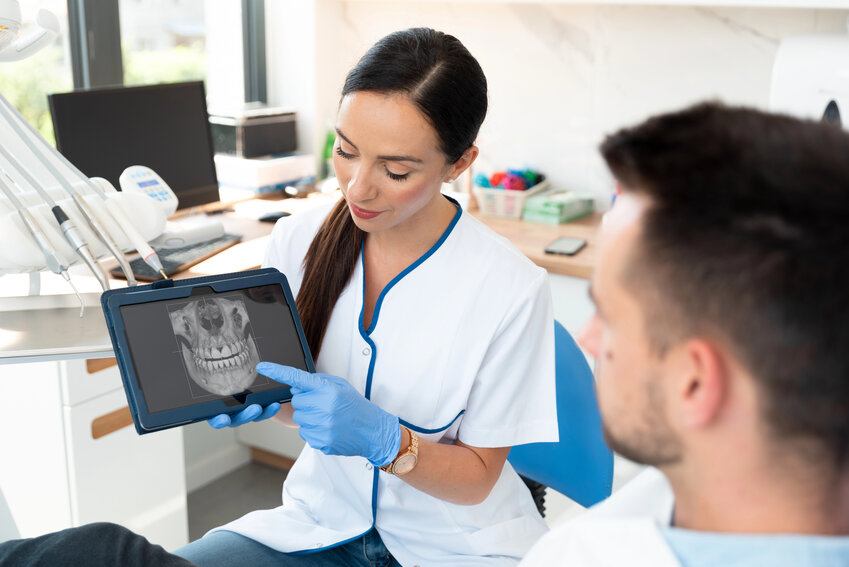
(461, 345)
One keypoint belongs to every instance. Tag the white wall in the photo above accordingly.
(560, 75)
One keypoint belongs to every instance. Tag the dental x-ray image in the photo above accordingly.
(217, 343)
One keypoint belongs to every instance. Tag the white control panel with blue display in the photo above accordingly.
(141, 179)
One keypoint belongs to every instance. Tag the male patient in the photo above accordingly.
(722, 339)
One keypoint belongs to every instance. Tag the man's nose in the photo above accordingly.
(590, 336)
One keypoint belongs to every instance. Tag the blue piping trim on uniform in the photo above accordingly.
(366, 334)
(331, 546)
(418, 429)
(374, 497)
(373, 520)
(409, 268)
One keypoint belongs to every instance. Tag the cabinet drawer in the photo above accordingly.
(83, 380)
(121, 477)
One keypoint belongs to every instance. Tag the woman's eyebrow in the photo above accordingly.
(344, 137)
(385, 158)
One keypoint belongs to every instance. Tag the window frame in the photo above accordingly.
(95, 42)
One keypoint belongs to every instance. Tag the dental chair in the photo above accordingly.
(579, 465)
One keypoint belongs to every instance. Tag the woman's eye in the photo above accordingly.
(343, 155)
(396, 176)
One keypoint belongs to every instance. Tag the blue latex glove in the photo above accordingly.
(336, 419)
(253, 412)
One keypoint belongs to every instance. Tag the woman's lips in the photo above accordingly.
(363, 213)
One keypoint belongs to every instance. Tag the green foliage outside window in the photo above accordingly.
(177, 64)
(26, 83)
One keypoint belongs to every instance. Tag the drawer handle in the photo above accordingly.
(94, 365)
(111, 422)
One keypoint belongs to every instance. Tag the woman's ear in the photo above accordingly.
(462, 164)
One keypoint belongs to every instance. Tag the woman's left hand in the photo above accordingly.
(336, 419)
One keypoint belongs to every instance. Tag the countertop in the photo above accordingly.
(532, 238)
(48, 326)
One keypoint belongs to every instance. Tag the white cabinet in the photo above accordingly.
(58, 472)
(273, 437)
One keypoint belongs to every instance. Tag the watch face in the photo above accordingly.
(405, 464)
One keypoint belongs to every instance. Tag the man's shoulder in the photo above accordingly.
(646, 495)
(624, 529)
(603, 542)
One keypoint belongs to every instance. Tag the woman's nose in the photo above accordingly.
(360, 188)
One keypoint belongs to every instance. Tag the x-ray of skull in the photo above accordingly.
(218, 348)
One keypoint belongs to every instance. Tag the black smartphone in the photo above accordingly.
(566, 245)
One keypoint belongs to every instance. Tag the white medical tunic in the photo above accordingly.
(461, 345)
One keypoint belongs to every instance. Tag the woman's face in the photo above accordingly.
(388, 161)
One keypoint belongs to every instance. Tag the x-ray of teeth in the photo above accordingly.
(217, 345)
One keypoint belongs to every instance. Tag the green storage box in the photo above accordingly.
(556, 207)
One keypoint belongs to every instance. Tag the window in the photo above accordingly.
(26, 83)
(163, 41)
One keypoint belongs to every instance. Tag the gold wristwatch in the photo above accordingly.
(406, 461)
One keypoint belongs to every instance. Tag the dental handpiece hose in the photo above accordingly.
(53, 262)
(69, 230)
(142, 247)
(95, 225)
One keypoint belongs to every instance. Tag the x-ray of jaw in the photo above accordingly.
(214, 334)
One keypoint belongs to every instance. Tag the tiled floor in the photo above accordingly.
(251, 487)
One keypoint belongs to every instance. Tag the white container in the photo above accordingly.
(504, 202)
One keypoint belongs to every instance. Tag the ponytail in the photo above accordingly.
(328, 266)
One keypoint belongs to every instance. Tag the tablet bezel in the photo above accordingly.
(146, 422)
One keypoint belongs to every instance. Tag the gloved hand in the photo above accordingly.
(335, 418)
(253, 412)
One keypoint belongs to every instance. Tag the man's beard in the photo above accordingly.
(650, 442)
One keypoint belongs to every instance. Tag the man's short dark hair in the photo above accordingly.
(746, 239)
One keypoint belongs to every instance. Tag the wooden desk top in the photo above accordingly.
(532, 238)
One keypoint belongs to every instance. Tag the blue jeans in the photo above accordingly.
(224, 549)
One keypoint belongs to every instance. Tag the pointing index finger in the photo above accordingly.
(288, 375)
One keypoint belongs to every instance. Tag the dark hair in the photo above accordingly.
(439, 75)
(746, 239)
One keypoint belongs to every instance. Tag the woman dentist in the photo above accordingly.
(433, 340)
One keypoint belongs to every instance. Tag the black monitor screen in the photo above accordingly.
(164, 127)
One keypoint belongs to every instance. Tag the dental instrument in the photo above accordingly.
(141, 245)
(68, 228)
(53, 262)
(45, 161)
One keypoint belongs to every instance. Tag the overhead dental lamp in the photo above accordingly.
(13, 45)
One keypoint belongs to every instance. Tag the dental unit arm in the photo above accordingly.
(64, 228)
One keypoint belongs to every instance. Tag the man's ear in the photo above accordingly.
(702, 382)
(462, 164)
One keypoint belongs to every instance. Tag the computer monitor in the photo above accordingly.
(164, 127)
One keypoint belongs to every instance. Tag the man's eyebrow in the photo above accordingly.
(385, 158)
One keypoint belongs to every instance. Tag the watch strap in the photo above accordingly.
(413, 448)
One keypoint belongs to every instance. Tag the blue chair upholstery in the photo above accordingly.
(580, 465)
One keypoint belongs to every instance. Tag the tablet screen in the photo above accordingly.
(205, 347)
